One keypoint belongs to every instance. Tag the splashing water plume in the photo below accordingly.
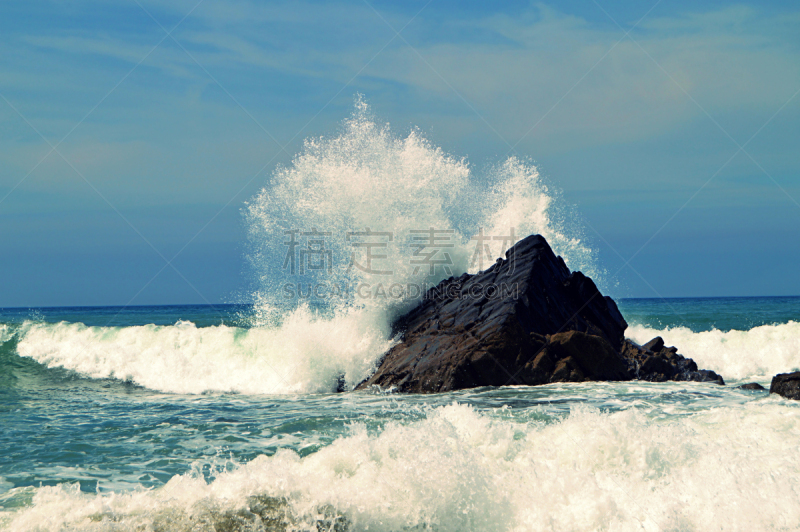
(392, 190)
(369, 179)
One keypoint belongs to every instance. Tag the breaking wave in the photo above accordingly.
(310, 354)
(306, 354)
(461, 470)
(756, 354)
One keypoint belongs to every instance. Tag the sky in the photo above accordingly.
(133, 131)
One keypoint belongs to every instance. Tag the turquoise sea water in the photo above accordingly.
(186, 418)
(705, 314)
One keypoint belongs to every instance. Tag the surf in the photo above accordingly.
(460, 469)
(758, 353)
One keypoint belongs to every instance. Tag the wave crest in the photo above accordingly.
(461, 470)
(756, 354)
(305, 354)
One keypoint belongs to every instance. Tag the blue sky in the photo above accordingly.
(165, 136)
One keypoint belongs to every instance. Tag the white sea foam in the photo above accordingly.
(6, 332)
(305, 354)
(459, 470)
(755, 354)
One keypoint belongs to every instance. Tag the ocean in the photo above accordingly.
(178, 418)
(226, 418)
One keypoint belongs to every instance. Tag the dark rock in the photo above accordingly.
(786, 385)
(590, 354)
(527, 320)
(341, 383)
(462, 335)
(657, 366)
(663, 365)
(655, 345)
(752, 386)
(573, 356)
(701, 375)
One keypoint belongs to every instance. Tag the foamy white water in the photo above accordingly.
(757, 354)
(728, 468)
(306, 354)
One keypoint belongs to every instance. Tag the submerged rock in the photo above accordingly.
(786, 385)
(527, 320)
(752, 386)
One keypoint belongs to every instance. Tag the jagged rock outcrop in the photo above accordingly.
(786, 385)
(527, 320)
(655, 362)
